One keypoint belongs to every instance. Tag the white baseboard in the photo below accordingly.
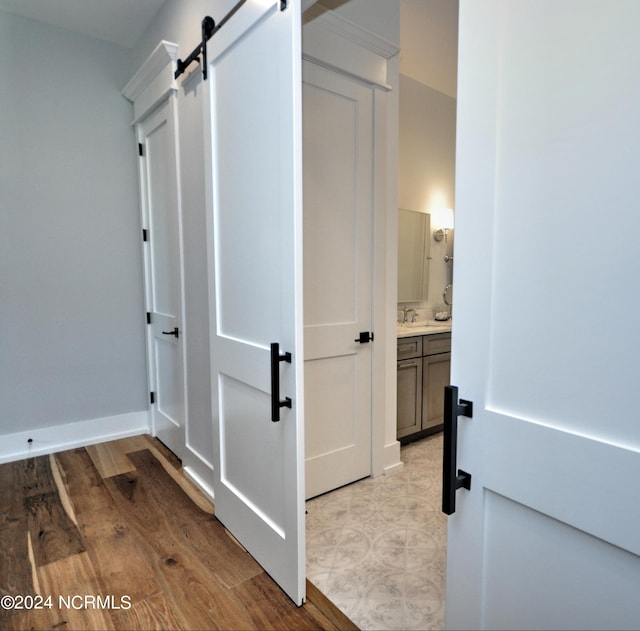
(396, 468)
(49, 440)
(392, 462)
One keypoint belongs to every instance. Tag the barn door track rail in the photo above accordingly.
(208, 28)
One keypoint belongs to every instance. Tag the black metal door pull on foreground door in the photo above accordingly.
(452, 480)
(276, 404)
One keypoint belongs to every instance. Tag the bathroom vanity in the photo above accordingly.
(424, 361)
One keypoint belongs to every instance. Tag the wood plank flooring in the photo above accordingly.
(119, 538)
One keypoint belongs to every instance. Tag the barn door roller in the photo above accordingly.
(208, 28)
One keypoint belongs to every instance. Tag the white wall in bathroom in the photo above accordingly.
(426, 172)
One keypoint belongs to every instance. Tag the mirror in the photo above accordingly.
(447, 295)
(413, 256)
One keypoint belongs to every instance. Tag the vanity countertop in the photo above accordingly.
(423, 328)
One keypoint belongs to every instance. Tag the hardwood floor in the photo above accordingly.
(114, 536)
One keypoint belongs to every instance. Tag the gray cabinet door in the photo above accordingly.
(409, 396)
(435, 377)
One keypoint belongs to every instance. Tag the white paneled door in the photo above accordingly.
(255, 247)
(338, 234)
(546, 335)
(159, 192)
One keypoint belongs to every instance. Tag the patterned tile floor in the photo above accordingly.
(377, 548)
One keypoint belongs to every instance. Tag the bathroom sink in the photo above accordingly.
(413, 325)
(427, 326)
(424, 323)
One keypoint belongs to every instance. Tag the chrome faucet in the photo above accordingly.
(405, 312)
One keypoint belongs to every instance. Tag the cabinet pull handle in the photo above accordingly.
(411, 365)
(276, 403)
(452, 481)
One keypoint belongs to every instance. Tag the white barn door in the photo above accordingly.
(546, 334)
(255, 246)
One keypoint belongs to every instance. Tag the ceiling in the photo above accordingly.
(428, 30)
(118, 21)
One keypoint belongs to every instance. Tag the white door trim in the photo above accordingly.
(153, 82)
(332, 41)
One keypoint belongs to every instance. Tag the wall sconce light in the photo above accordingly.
(444, 219)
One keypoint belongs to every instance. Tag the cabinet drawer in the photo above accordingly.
(437, 343)
(409, 347)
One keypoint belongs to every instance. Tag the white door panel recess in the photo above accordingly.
(254, 173)
(545, 336)
(338, 235)
(159, 186)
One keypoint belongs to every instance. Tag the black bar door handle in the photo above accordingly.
(174, 332)
(364, 338)
(452, 480)
(276, 403)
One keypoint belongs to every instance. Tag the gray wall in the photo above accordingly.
(427, 147)
(71, 295)
(426, 174)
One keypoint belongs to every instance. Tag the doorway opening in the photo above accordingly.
(366, 540)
